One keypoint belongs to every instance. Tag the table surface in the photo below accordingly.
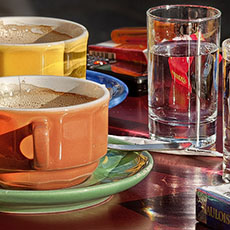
(164, 200)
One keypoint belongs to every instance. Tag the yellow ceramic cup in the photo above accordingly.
(42, 46)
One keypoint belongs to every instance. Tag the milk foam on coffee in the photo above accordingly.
(28, 34)
(32, 97)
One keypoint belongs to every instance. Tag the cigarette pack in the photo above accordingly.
(120, 51)
(213, 206)
(135, 35)
(124, 57)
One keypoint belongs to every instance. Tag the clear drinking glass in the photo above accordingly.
(183, 58)
(226, 109)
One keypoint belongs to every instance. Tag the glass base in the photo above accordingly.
(205, 137)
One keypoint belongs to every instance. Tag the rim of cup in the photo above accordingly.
(98, 100)
(35, 20)
(167, 7)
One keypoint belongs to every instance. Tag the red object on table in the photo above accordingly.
(122, 52)
(130, 35)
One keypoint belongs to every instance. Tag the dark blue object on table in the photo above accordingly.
(118, 89)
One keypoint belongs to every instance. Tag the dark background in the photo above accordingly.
(100, 17)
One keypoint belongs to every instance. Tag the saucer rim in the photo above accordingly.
(67, 199)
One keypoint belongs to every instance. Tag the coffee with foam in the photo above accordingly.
(30, 34)
(32, 97)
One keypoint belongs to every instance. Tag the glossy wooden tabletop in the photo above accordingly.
(164, 200)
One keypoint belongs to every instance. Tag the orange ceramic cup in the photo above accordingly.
(52, 148)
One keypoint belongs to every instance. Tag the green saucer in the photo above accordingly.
(116, 172)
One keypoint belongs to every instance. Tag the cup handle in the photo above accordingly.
(41, 144)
